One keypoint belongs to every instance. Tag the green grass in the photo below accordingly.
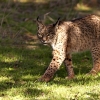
(23, 59)
(20, 68)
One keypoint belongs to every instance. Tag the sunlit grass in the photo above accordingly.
(4, 78)
(82, 7)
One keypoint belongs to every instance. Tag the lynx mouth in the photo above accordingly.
(44, 42)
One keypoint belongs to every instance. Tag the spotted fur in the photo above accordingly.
(66, 37)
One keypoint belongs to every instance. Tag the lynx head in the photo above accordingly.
(46, 33)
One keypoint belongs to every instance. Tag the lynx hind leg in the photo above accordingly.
(69, 67)
(96, 60)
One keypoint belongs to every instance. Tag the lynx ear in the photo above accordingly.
(39, 23)
(57, 22)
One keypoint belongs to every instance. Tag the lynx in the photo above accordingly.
(67, 37)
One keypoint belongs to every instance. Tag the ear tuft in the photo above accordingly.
(38, 18)
(39, 22)
(57, 22)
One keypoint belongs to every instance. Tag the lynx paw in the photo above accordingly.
(44, 79)
(92, 72)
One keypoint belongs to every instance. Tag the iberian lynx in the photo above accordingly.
(66, 37)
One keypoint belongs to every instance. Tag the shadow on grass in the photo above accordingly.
(82, 63)
(34, 91)
(81, 80)
(29, 92)
(18, 66)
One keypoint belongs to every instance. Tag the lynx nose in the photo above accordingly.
(44, 38)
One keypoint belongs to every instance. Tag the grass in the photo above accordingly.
(22, 67)
(23, 60)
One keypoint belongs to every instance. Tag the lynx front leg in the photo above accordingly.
(96, 61)
(53, 67)
(69, 66)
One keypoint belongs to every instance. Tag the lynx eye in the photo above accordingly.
(40, 35)
(48, 35)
